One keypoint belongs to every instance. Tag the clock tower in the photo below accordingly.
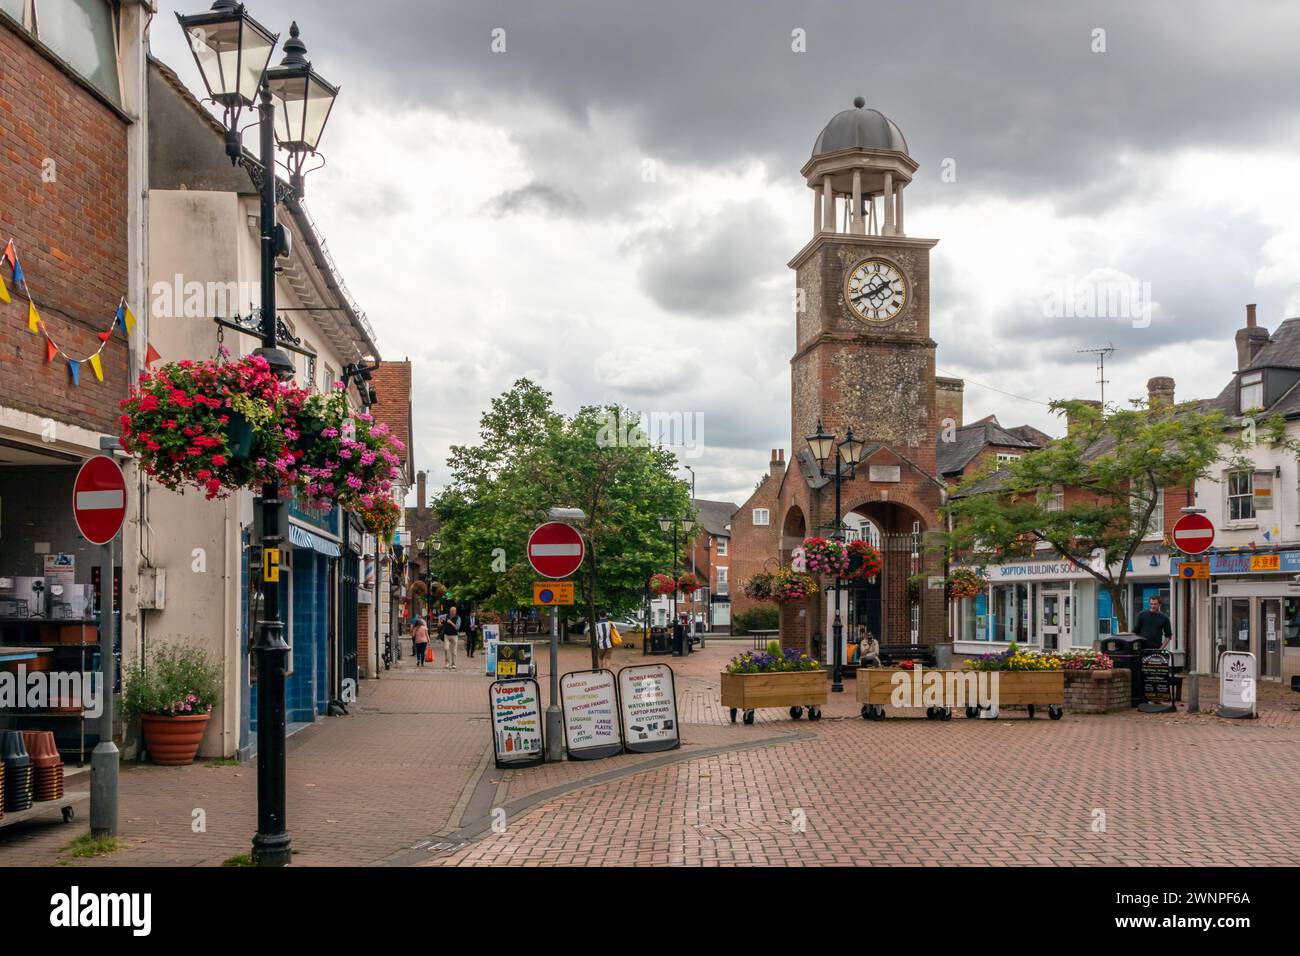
(863, 353)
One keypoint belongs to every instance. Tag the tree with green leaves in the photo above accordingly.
(531, 458)
(1092, 494)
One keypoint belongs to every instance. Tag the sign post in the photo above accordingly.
(1193, 533)
(555, 550)
(99, 507)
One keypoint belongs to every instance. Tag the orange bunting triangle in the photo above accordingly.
(151, 355)
(51, 350)
(97, 366)
(10, 256)
(33, 317)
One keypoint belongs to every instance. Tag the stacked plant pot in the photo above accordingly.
(18, 772)
(47, 765)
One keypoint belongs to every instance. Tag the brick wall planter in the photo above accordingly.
(1097, 692)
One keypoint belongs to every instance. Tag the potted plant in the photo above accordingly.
(865, 560)
(1027, 678)
(381, 517)
(344, 458)
(773, 678)
(825, 556)
(791, 585)
(965, 583)
(173, 691)
(759, 587)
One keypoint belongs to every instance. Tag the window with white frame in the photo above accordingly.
(720, 547)
(721, 581)
(1007, 456)
(1156, 526)
(761, 516)
(81, 33)
(1241, 495)
(1251, 392)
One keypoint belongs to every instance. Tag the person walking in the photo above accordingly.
(1153, 627)
(450, 637)
(419, 640)
(470, 628)
(604, 641)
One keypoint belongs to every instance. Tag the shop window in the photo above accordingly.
(1241, 495)
(1291, 622)
(761, 516)
(1251, 394)
(82, 33)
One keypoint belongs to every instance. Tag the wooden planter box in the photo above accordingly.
(1015, 688)
(793, 689)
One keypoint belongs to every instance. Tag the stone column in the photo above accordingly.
(887, 197)
(859, 228)
(898, 201)
(817, 211)
(828, 205)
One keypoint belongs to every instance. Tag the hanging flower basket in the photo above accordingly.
(662, 585)
(965, 583)
(825, 556)
(437, 591)
(382, 518)
(791, 585)
(342, 458)
(212, 426)
(688, 583)
(865, 560)
(759, 587)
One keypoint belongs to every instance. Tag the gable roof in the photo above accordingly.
(715, 516)
(969, 440)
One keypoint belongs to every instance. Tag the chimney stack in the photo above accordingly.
(1071, 421)
(1160, 391)
(1250, 339)
(420, 506)
(948, 400)
(776, 467)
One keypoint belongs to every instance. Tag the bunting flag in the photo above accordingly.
(36, 325)
(151, 355)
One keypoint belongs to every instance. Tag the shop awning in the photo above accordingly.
(302, 538)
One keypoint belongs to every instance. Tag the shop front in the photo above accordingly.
(1255, 607)
(1051, 605)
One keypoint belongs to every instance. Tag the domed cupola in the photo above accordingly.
(859, 158)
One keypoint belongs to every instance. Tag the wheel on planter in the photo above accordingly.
(1056, 713)
(972, 713)
(880, 711)
(866, 711)
(814, 713)
(749, 717)
(1031, 709)
(733, 715)
(69, 814)
(945, 713)
(797, 712)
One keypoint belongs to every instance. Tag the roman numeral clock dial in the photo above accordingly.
(875, 290)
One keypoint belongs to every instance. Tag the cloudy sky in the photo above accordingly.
(602, 195)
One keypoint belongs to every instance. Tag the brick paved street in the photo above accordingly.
(408, 779)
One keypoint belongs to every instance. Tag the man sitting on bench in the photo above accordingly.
(869, 655)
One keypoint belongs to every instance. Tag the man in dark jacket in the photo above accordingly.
(1153, 626)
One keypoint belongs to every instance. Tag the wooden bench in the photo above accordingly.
(894, 653)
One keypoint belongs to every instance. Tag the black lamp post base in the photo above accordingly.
(272, 850)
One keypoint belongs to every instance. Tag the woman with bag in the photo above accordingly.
(419, 640)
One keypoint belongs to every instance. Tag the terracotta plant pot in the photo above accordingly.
(173, 741)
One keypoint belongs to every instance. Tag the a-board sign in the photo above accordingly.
(514, 659)
(1157, 683)
(589, 704)
(491, 635)
(647, 696)
(1237, 684)
(516, 710)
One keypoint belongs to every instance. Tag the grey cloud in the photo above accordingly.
(536, 198)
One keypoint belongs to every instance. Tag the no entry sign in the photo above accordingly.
(555, 550)
(99, 499)
(1193, 534)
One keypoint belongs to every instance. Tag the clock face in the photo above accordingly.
(875, 290)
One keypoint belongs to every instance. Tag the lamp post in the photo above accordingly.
(686, 525)
(232, 51)
(823, 447)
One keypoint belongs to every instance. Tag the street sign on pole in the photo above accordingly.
(1193, 534)
(552, 592)
(99, 499)
(555, 550)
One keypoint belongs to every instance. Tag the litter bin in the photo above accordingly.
(658, 643)
(680, 646)
(1126, 652)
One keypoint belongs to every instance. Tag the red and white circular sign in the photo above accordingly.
(1193, 534)
(99, 499)
(555, 550)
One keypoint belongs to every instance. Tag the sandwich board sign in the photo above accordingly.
(1237, 684)
(647, 697)
(516, 713)
(589, 704)
(1157, 683)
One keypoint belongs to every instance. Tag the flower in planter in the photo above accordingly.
(825, 556)
(760, 662)
(907, 665)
